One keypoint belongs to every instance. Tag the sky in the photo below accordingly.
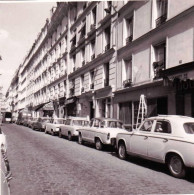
(20, 24)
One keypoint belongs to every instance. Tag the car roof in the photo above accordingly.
(58, 119)
(77, 118)
(176, 121)
(107, 119)
(177, 118)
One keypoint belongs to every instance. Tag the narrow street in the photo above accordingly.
(42, 164)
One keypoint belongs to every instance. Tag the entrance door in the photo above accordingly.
(91, 110)
(162, 105)
(180, 104)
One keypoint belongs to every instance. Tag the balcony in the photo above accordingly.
(127, 83)
(73, 48)
(129, 39)
(82, 90)
(92, 29)
(161, 19)
(93, 57)
(92, 86)
(158, 67)
(106, 82)
(107, 47)
(83, 63)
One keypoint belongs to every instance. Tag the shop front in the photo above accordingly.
(181, 79)
(126, 102)
(44, 110)
(71, 106)
(86, 105)
(103, 103)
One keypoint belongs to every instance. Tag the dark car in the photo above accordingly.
(39, 124)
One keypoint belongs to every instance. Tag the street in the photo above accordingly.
(42, 164)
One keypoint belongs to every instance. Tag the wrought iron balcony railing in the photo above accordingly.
(129, 39)
(161, 19)
(158, 67)
(127, 83)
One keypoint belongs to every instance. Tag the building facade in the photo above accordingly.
(95, 59)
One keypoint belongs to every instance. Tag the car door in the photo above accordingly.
(139, 139)
(159, 140)
(94, 129)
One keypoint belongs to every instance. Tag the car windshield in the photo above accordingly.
(80, 122)
(189, 128)
(58, 121)
(114, 124)
(45, 120)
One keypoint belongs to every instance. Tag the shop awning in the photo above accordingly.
(48, 106)
(71, 100)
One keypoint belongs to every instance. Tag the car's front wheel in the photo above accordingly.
(176, 166)
(122, 151)
(98, 144)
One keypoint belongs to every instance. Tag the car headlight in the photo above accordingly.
(57, 128)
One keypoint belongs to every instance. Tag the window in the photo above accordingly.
(189, 128)
(68, 122)
(127, 73)
(106, 74)
(93, 43)
(83, 56)
(147, 126)
(94, 16)
(82, 83)
(96, 123)
(129, 29)
(161, 11)
(160, 59)
(92, 79)
(107, 38)
(163, 127)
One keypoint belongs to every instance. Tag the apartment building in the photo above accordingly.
(95, 59)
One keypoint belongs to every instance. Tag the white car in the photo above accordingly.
(71, 126)
(166, 139)
(53, 126)
(101, 131)
(5, 172)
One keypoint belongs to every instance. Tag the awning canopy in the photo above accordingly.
(71, 100)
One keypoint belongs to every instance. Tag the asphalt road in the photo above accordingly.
(42, 164)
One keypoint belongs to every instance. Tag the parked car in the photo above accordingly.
(28, 121)
(100, 131)
(5, 172)
(71, 126)
(40, 123)
(31, 122)
(165, 139)
(54, 125)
